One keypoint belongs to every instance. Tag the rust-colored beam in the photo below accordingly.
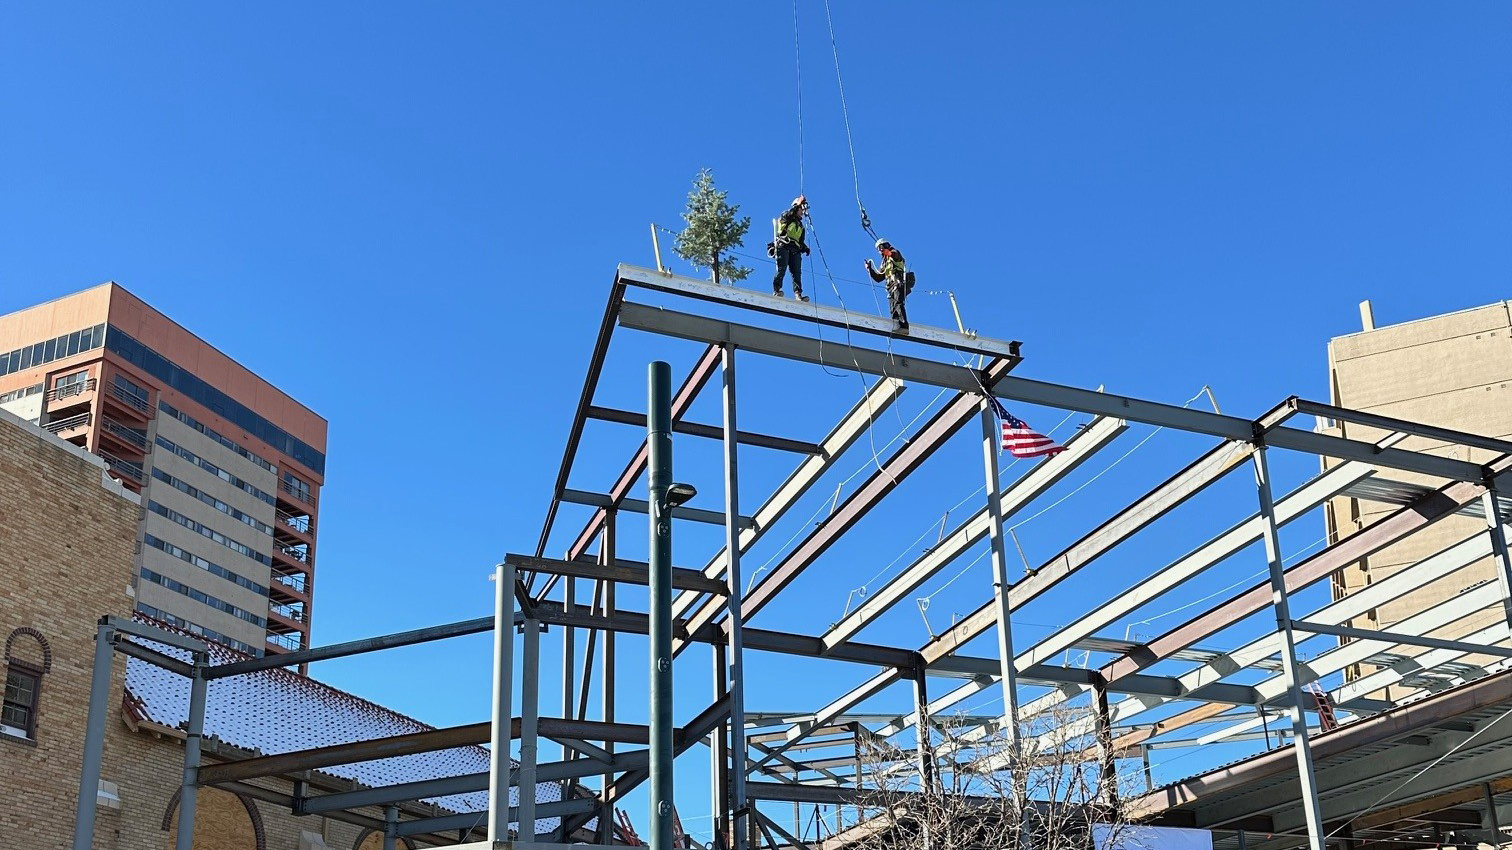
(1417, 809)
(1420, 514)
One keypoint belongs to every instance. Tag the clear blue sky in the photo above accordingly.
(408, 217)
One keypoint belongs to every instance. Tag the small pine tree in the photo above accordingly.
(712, 231)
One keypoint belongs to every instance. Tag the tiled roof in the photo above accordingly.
(276, 711)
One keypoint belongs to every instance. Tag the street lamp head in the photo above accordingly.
(679, 494)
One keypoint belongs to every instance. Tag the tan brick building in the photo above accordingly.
(1453, 371)
(67, 537)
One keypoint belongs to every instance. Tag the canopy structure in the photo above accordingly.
(770, 751)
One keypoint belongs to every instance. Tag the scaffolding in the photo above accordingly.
(759, 759)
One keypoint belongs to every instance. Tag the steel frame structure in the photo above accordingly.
(777, 757)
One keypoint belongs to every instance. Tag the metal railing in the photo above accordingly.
(130, 435)
(287, 611)
(290, 642)
(125, 468)
(294, 582)
(129, 398)
(302, 556)
(68, 424)
(73, 389)
(303, 494)
(301, 524)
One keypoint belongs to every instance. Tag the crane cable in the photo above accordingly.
(845, 114)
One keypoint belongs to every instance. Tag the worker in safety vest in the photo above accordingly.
(788, 247)
(899, 280)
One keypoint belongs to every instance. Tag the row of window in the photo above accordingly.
(197, 629)
(185, 487)
(213, 399)
(211, 533)
(203, 597)
(66, 345)
(21, 393)
(203, 563)
(215, 435)
(211, 468)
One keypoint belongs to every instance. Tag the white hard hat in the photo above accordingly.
(800, 201)
(881, 242)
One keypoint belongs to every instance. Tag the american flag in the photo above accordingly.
(1022, 441)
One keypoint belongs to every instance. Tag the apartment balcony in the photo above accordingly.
(283, 617)
(126, 404)
(298, 497)
(130, 474)
(132, 440)
(70, 427)
(299, 557)
(70, 399)
(293, 587)
(294, 529)
(278, 644)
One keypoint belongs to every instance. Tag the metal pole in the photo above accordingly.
(736, 647)
(569, 658)
(606, 685)
(1499, 547)
(94, 738)
(390, 826)
(1107, 778)
(194, 731)
(923, 755)
(530, 713)
(656, 247)
(659, 438)
(503, 704)
(719, 756)
(1000, 584)
(1315, 833)
(1491, 820)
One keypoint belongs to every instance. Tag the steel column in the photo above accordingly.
(501, 727)
(530, 722)
(719, 751)
(390, 826)
(569, 656)
(194, 732)
(659, 439)
(606, 687)
(1499, 547)
(1492, 821)
(94, 738)
(1000, 583)
(924, 728)
(735, 649)
(1308, 782)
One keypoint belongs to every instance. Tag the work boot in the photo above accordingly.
(798, 293)
(779, 293)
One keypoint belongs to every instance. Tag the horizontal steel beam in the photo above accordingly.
(808, 311)
(152, 656)
(695, 429)
(804, 349)
(317, 757)
(641, 506)
(1394, 638)
(1161, 686)
(352, 647)
(1233, 428)
(1388, 423)
(473, 820)
(683, 579)
(125, 625)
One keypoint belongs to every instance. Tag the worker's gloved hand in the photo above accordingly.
(868, 265)
(805, 250)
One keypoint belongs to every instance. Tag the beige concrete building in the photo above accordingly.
(1453, 371)
(229, 467)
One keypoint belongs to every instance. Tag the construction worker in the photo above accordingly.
(788, 247)
(899, 280)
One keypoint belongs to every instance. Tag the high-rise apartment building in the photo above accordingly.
(1453, 371)
(229, 468)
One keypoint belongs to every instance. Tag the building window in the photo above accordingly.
(18, 714)
(301, 489)
(78, 377)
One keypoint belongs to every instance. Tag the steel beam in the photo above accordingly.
(94, 736)
(854, 425)
(530, 725)
(734, 610)
(812, 312)
(700, 374)
(471, 820)
(641, 506)
(580, 416)
(1007, 675)
(1498, 536)
(501, 729)
(1422, 513)
(1388, 423)
(1012, 499)
(1395, 638)
(803, 349)
(893, 471)
(353, 647)
(619, 572)
(695, 429)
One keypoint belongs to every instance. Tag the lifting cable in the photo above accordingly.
(845, 114)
